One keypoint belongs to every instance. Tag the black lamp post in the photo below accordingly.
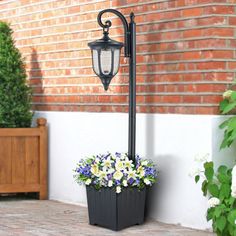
(106, 60)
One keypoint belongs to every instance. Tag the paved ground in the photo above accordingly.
(51, 218)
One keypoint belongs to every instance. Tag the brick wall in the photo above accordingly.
(185, 53)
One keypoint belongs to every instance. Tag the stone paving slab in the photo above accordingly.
(51, 218)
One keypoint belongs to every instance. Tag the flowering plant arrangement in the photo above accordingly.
(220, 185)
(220, 188)
(115, 171)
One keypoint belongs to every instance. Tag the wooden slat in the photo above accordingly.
(32, 160)
(19, 188)
(5, 160)
(43, 163)
(5, 132)
(18, 160)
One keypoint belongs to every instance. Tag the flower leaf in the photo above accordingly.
(213, 190)
(197, 177)
(221, 222)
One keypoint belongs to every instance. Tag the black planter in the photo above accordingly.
(116, 211)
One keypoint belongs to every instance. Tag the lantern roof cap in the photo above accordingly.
(105, 42)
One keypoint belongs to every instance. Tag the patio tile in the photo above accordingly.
(51, 218)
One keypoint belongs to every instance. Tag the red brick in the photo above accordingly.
(232, 65)
(192, 33)
(192, 99)
(232, 20)
(192, 12)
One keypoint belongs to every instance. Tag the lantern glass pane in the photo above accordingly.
(116, 61)
(106, 60)
(95, 62)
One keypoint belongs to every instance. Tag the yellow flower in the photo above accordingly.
(132, 175)
(95, 170)
(107, 163)
(128, 164)
(102, 175)
(141, 171)
(119, 165)
(118, 175)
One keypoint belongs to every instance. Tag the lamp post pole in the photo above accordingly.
(129, 52)
(132, 89)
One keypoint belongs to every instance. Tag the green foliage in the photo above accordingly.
(15, 94)
(218, 185)
(228, 105)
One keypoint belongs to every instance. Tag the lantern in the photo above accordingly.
(105, 57)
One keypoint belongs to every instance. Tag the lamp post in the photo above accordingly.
(106, 60)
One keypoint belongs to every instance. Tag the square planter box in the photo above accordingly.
(116, 211)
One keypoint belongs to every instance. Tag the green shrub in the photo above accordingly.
(15, 94)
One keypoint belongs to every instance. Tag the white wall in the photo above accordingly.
(171, 141)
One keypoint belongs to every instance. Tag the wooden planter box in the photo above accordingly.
(116, 211)
(23, 160)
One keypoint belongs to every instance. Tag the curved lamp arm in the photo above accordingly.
(125, 25)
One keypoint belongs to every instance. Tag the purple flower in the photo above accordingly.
(106, 156)
(109, 176)
(131, 180)
(117, 182)
(118, 154)
(150, 171)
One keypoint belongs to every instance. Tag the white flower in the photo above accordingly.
(195, 171)
(144, 163)
(233, 186)
(110, 183)
(147, 181)
(125, 183)
(118, 189)
(118, 175)
(88, 181)
(110, 170)
(213, 202)
(227, 94)
(200, 158)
